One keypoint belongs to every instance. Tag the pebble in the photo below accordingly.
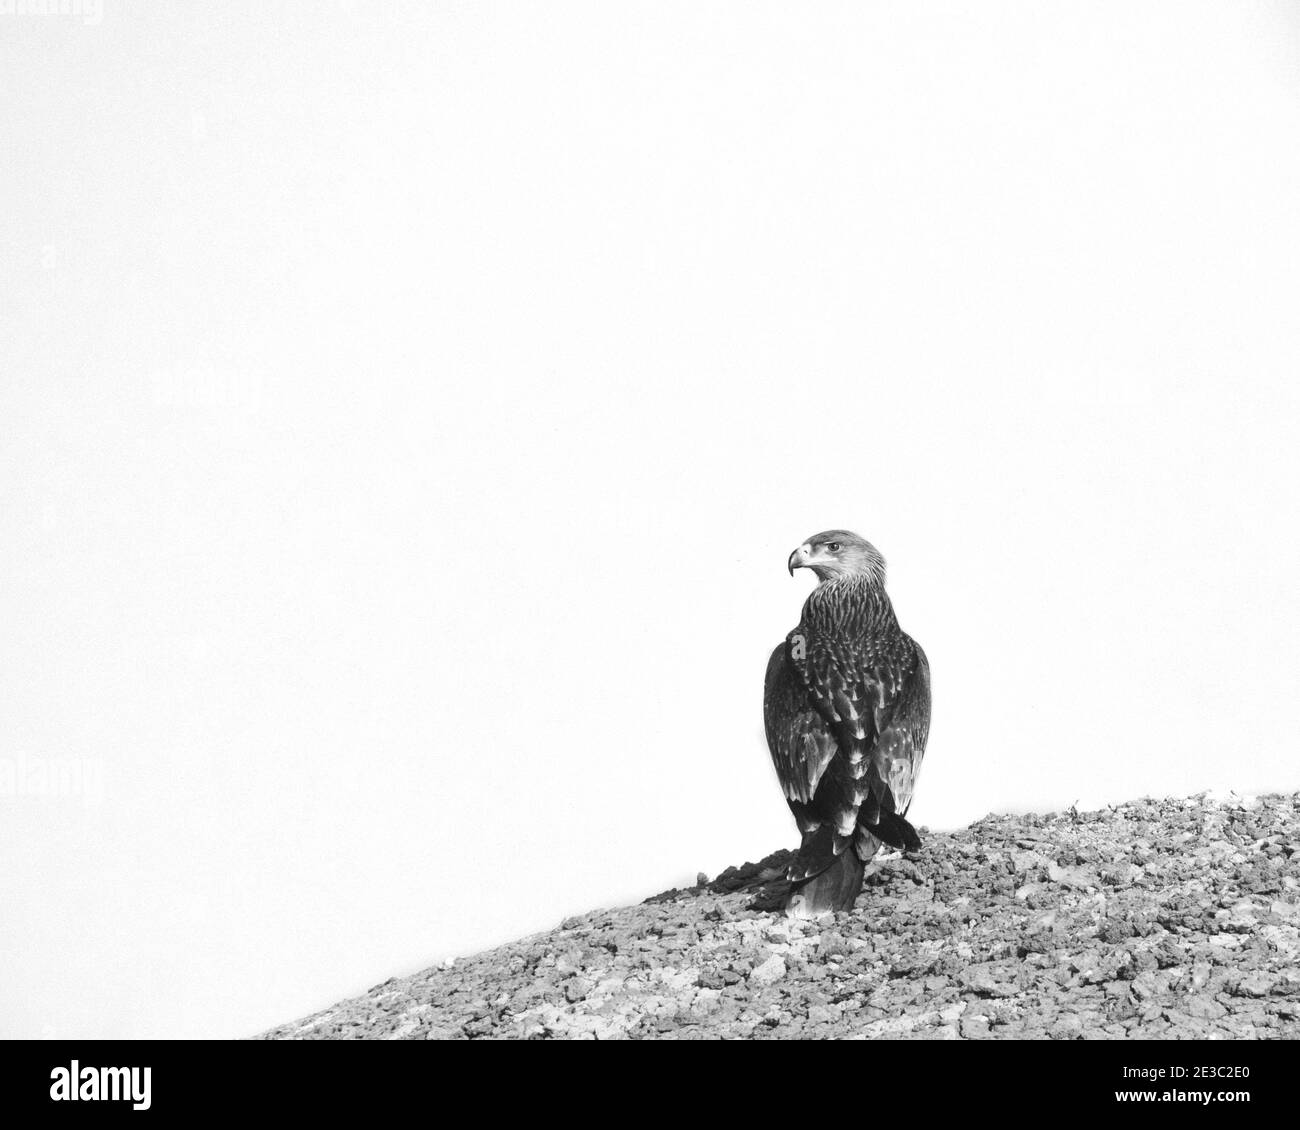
(770, 971)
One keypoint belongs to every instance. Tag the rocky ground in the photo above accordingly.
(1155, 919)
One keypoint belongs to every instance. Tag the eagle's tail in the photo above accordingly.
(817, 852)
(833, 889)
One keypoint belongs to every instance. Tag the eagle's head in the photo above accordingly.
(838, 553)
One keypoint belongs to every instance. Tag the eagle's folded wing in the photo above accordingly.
(895, 760)
(800, 742)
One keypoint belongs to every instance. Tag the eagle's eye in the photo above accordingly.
(833, 546)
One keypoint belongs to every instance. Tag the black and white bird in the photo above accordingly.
(846, 707)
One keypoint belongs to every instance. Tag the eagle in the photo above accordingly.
(846, 708)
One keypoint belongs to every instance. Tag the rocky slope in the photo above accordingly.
(1169, 918)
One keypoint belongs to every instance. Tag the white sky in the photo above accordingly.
(406, 412)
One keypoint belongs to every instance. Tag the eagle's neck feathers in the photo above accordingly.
(854, 604)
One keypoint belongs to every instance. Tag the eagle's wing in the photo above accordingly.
(806, 749)
(801, 743)
(903, 722)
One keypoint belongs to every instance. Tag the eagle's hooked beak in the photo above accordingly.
(799, 558)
